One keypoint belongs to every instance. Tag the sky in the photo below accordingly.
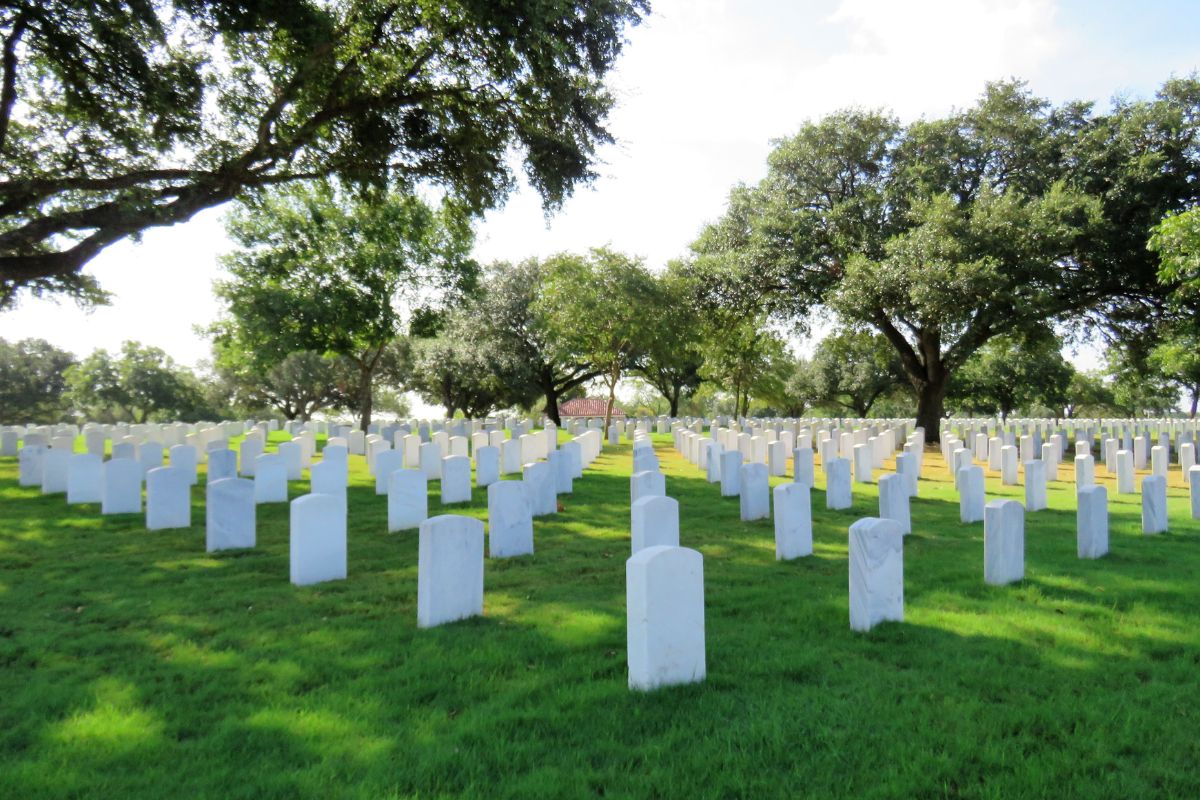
(703, 87)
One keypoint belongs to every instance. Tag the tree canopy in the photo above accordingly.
(946, 233)
(117, 117)
(322, 270)
(33, 381)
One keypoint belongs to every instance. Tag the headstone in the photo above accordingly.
(456, 479)
(560, 465)
(654, 522)
(386, 462)
(876, 573)
(540, 483)
(84, 478)
(487, 465)
(731, 473)
(168, 499)
(1159, 460)
(229, 512)
(1193, 476)
(971, 497)
(908, 468)
(1008, 465)
(573, 452)
(1187, 456)
(223, 464)
(665, 617)
(1092, 522)
(29, 464)
(1003, 542)
(510, 456)
(893, 501)
(1125, 482)
(650, 483)
(510, 519)
(408, 499)
(250, 449)
(55, 463)
(755, 492)
(121, 487)
(150, 454)
(449, 570)
(802, 466)
(270, 479)
(317, 544)
(793, 521)
(1035, 486)
(431, 460)
(1154, 504)
(862, 464)
(1085, 471)
(329, 476)
(184, 457)
(837, 484)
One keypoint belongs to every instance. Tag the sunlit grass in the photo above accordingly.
(133, 664)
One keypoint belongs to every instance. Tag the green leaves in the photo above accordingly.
(1176, 240)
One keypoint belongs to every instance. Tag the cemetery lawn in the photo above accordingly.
(134, 665)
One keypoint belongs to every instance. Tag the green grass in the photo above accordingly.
(132, 664)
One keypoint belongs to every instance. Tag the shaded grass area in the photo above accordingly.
(132, 664)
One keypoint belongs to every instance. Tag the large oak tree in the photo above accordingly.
(119, 116)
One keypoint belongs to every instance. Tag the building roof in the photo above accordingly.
(587, 407)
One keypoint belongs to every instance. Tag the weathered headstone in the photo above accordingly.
(793, 521)
(510, 519)
(876, 573)
(1003, 542)
(449, 570)
(1154, 504)
(229, 512)
(665, 617)
(408, 499)
(755, 494)
(168, 499)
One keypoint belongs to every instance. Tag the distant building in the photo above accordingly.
(587, 407)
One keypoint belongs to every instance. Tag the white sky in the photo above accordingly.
(703, 87)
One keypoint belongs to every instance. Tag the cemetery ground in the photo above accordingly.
(133, 664)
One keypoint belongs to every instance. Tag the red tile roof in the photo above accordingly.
(587, 407)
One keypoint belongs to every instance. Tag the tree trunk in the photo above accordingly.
(551, 407)
(365, 400)
(1195, 401)
(931, 403)
(674, 402)
(613, 379)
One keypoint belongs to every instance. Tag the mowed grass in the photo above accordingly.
(132, 664)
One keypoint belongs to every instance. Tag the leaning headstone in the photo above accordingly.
(317, 544)
(168, 499)
(1154, 504)
(876, 573)
(837, 484)
(408, 499)
(449, 570)
(510, 520)
(793, 521)
(665, 617)
(654, 522)
(1003, 542)
(270, 478)
(121, 487)
(893, 501)
(755, 495)
(456, 479)
(1092, 522)
(229, 512)
(84, 477)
